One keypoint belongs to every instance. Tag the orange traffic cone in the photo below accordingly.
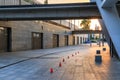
(51, 70)
(60, 65)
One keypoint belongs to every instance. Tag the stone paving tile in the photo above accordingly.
(13, 57)
(79, 67)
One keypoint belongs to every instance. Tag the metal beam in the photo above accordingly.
(109, 3)
(50, 12)
(86, 32)
(112, 22)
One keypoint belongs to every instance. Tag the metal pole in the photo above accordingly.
(102, 39)
(90, 40)
(69, 23)
(99, 41)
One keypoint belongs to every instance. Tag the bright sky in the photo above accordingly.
(64, 1)
(94, 22)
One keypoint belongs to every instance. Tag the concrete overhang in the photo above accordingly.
(86, 32)
(51, 12)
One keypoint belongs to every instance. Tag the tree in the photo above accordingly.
(85, 23)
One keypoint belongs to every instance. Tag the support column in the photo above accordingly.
(112, 22)
(99, 41)
(103, 39)
(111, 48)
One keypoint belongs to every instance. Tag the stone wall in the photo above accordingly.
(22, 31)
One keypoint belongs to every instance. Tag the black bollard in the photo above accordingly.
(104, 49)
(98, 58)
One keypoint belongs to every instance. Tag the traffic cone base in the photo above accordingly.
(51, 70)
(60, 65)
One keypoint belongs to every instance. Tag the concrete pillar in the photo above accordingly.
(99, 40)
(112, 22)
(83, 39)
(111, 48)
(79, 39)
(102, 39)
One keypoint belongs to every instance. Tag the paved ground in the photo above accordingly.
(35, 65)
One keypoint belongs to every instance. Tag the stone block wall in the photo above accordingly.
(22, 33)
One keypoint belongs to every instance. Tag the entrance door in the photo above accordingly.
(77, 40)
(80, 40)
(55, 40)
(73, 40)
(5, 39)
(66, 40)
(37, 40)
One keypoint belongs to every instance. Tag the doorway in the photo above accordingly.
(73, 40)
(77, 40)
(55, 40)
(5, 39)
(37, 40)
(66, 40)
